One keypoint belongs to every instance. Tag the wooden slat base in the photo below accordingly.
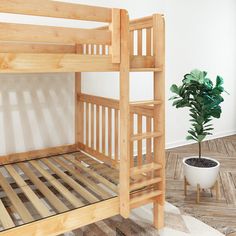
(50, 190)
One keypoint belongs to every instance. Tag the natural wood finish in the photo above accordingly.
(148, 42)
(52, 34)
(131, 142)
(92, 125)
(115, 29)
(54, 201)
(103, 131)
(57, 10)
(140, 42)
(124, 118)
(141, 23)
(159, 111)
(87, 124)
(79, 106)
(12, 158)
(148, 141)
(144, 183)
(116, 133)
(16, 202)
(144, 168)
(145, 135)
(97, 128)
(143, 63)
(145, 196)
(109, 132)
(92, 173)
(29, 62)
(69, 220)
(140, 141)
(5, 217)
(63, 190)
(131, 43)
(13, 47)
(149, 102)
(39, 206)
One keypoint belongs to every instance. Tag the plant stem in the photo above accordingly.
(199, 149)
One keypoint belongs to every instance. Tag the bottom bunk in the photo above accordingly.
(52, 195)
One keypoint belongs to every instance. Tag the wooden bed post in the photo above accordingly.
(79, 109)
(124, 118)
(159, 113)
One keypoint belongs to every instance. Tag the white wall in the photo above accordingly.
(199, 34)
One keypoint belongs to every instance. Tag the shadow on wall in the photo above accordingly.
(36, 111)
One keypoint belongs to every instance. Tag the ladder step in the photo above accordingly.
(145, 168)
(145, 135)
(145, 196)
(146, 69)
(144, 183)
(146, 103)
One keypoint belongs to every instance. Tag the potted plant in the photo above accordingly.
(203, 98)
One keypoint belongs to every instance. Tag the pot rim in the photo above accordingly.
(203, 168)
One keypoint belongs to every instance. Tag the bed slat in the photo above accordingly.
(15, 200)
(63, 190)
(5, 217)
(36, 202)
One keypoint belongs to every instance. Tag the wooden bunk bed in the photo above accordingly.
(58, 189)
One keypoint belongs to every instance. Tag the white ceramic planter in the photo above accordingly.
(205, 177)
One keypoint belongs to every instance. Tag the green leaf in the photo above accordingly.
(191, 138)
(174, 89)
(201, 137)
(219, 81)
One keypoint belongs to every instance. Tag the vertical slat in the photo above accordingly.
(115, 32)
(87, 49)
(124, 184)
(92, 125)
(109, 132)
(103, 49)
(5, 217)
(87, 124)
(131, 142)
(98, 128)
(97, 49)
(92, 49)
(36, 202)
(159, 112)
(116, 135)
(131, 43)
(103, 130)
(140, 156)
(148, 141)
(140, 42)
(148, 41)
(79, 106)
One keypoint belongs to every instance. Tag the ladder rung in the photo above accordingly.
(144, 168)
(144, 196)
(144, 183)
(145, 135)
(146, 103)
(151, 69)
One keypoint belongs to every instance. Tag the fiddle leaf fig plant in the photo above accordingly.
(203, 98)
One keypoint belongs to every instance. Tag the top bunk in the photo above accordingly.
(31, 48)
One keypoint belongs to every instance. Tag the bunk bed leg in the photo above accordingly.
(158, 215)
(159, 114)
(79, 109)
(124, 185)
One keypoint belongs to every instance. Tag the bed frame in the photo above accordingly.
(109, 170)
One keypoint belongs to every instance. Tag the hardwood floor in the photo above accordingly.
(221, 214)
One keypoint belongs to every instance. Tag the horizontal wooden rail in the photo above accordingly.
(13, 47)
(146, 103)
(145, 135)
(51, 34)
(141, 23)
(30, 63)
(144, 168)
(17, 157)
(145, 196)
(144, 183)
(56, 9)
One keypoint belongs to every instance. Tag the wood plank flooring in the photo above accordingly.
(219, 214)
